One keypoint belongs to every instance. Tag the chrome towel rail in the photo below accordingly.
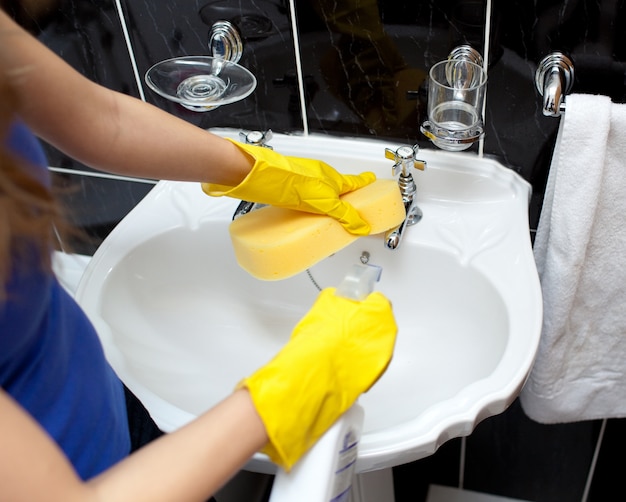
(554, 79)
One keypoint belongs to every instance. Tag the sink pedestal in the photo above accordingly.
(373, 486)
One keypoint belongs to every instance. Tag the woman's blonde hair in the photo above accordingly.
(30, 216)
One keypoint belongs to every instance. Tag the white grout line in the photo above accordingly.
(594, 460)
(487, 35)
(296, 44)
(129, 47)
(58, 238)
(91, 174)
(481, 143)
(462, 462)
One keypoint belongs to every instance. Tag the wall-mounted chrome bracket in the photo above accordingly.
(467, 53)
(225, 42)
(554, 79)
(458, 74)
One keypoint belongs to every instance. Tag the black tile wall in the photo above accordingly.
(607, 481)
(368, 60)
(411, 481)
(95, 206)
(512, 456)
(364, 66)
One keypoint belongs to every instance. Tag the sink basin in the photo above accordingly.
(182, 323)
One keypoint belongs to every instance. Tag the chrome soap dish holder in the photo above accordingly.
(203, 83)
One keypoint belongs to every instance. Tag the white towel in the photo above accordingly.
(580, 250)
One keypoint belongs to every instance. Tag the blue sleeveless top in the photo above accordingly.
(51, 360)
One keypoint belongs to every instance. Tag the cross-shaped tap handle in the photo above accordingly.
(257, 138)
(404, 158)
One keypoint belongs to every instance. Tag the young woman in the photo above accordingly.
(63, 416)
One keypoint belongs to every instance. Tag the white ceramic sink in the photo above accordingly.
(181, 323)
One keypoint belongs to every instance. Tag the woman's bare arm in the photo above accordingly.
(187, 465)
(105, 129)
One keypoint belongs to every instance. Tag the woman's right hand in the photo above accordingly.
(337, 351)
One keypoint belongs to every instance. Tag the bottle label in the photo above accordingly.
(344, 473)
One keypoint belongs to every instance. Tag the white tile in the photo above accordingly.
(69, 269)
(437, 493)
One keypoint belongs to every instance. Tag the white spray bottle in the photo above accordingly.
(326, 472)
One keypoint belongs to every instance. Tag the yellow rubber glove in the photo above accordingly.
(295, 183)
(336, 352)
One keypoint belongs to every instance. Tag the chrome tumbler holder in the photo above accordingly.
(455, 100)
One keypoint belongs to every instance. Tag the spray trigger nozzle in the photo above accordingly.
(359, 282)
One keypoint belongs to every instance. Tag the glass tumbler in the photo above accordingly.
(456, 93)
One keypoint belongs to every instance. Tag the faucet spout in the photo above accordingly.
(405, 159)
(258, 138)
(414, 214)
(554, 79)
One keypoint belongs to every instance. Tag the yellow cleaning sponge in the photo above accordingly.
(274, 243)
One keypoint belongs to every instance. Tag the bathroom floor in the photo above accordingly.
(437, 493)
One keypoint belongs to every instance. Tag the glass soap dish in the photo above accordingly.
(200, 83)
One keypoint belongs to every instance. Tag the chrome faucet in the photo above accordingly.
(257, 138)
(554, 79)
(404, 158)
